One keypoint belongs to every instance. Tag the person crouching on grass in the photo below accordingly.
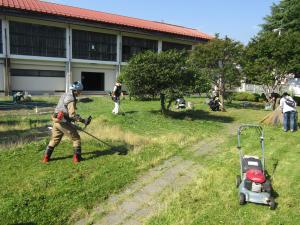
(62, 119)
(116, 94)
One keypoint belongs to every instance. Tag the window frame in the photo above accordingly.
(37, 73)
(175, 46)
(89, 45)
(133, 45)
(37, 40)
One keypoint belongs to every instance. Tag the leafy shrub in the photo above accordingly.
(229, 96)
(245, 96)
(297, 99)
(263, 97)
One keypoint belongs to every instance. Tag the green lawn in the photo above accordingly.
(61, 192)
(213, 198)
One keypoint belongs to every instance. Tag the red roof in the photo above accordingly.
(91, 15)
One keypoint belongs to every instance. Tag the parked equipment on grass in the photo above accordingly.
(180, 103)
(253, 183)
(21, 96)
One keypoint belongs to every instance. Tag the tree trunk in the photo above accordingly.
(162, 103)
(222, 93)
(169, 104)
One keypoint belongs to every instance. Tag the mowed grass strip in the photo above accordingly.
(214, 199)
(61, 192)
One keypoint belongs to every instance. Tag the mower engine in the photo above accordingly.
(254, 177)
(256, 181)
(256, 187)
(252, 186)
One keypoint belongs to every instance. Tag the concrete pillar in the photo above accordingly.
(6, 52)
(159, 49)
(68, 70)
(119, 54)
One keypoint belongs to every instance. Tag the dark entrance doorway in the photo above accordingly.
(92, 81)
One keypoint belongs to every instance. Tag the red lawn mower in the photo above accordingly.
(253, 183)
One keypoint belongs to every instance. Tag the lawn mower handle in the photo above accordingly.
(261, 132)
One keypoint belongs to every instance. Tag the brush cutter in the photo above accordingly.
(88, 121)
(82, 130)
(253, 184)
(121, 109)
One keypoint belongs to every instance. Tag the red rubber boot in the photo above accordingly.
(47, 155)
(76, 159)
(77, 155)
(46, 159)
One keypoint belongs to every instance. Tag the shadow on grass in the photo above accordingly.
(191, 115)
(245, 105)
(10, 122)
(27, 223)
(32, 123)
(9, 105)
(14, 136)
(274, 193)
(89, 155)
(129, 112)
(86, 100)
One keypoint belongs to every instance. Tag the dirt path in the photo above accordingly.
(143, 199)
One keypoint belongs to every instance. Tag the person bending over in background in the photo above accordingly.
(288, 107)
(215, 104)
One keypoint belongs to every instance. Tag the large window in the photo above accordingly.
(94, 46)
(37, 73)
(37, 40)
(132, 46)
(170, 46)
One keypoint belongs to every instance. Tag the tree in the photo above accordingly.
(218, 60)
(274, 55)
(164, 74)
(202, 81)
(285, 21)
(270, 59)
(285, 16)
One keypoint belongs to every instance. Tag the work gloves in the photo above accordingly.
(86, 121)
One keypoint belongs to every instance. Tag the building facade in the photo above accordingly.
(46, 46)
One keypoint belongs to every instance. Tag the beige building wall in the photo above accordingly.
(38, 84)
(109, 71)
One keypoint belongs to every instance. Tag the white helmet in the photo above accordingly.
(76, 86)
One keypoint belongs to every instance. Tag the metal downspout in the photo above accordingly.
(6, 75)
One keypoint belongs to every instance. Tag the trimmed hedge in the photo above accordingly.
(297, 99)
(250, 97)
(245, 96)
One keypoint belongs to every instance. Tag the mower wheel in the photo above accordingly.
(242, 199)
(272, 203)
(238, 181)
